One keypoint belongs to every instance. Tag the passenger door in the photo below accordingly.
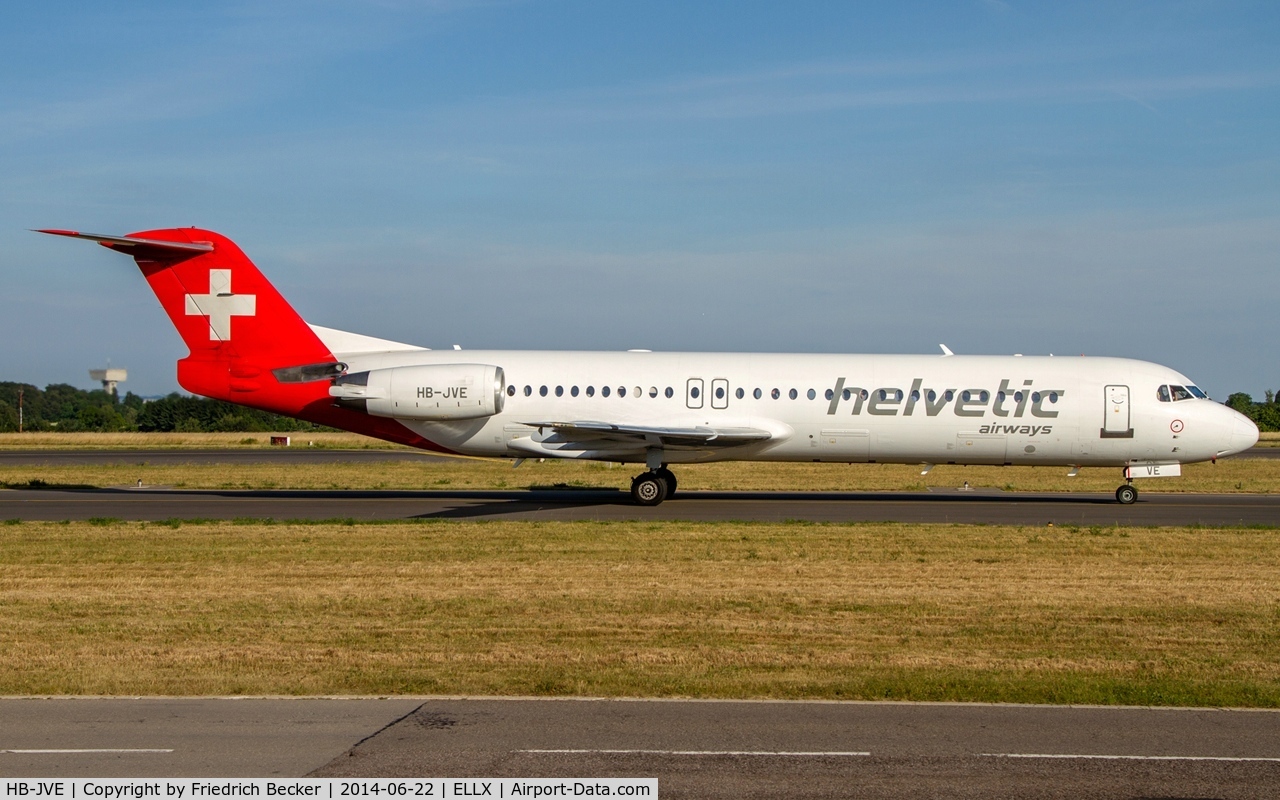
(1115, 421)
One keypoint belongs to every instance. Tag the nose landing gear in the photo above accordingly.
(652, 487)
(1126, 495)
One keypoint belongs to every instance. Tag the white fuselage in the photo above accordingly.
(841, 408)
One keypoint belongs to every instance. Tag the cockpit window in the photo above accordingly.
(1162, 394)
(1196, 390)
(1180, 393)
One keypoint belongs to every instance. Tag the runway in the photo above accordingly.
(978, 507)
(705, 749)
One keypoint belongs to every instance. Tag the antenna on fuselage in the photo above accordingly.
(946, 351)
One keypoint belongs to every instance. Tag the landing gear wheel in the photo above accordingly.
(648, 489)
(1126, 495)
(670, 478)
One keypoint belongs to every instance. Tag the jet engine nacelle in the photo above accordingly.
(434, 392)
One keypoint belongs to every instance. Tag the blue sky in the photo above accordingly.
(833, 177)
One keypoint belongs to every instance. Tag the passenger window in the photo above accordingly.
(653, 391)
(811, 394)
(511, 391)
(559, 391)
(775, 394)
(591, 391)
(528, 390)
(915, 395)
(604, 391)
(1162, 394)
(719, 392)
(574, 391)
(694, 392)
(542, 391)
(756, 394)
(739, 393)
(792, 394)
(622, 391)
(1017, 396)
(639, 392)
(950, 395)
(670, 392)
(847, 394)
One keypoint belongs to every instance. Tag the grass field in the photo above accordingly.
(1230, 475)
(177, 441)
(913, 612)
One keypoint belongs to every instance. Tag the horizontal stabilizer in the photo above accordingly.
(146, 249)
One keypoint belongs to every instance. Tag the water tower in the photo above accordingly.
(109, 377)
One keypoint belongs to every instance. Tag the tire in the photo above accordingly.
(1126, 495)
(669, 478)
(648, 489)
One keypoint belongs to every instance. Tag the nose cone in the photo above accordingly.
(1244, 434)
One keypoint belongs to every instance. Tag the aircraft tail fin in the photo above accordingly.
(247, 343)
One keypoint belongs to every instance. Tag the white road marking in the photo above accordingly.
(711, 752)
(90, 750)
(1122, 758)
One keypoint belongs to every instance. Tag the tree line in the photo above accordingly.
(1266, 415)
(62, 407)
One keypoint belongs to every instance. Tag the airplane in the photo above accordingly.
(248, 346)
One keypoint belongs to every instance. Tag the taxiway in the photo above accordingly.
(705, 749)
(947, 506)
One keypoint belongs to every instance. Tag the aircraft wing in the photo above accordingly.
(701, 437)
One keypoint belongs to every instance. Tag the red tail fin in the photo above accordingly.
(237, 326)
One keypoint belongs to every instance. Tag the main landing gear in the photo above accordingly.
(652, 487)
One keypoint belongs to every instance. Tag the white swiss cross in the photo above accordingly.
(220, 305)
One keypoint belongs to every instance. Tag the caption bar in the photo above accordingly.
(324, 788)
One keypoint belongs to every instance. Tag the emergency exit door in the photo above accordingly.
(693, 393)
(1115, 420)
(720, 393)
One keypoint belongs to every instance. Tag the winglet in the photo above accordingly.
(139, 248)
(946, 351)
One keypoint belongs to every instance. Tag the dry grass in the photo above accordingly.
(1063, 615)
(1231, 475)
(168, 441)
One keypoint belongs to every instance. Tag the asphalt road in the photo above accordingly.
(985, 507)
(184, 737)
(695, 748)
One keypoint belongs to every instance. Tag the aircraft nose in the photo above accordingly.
(1244, 434)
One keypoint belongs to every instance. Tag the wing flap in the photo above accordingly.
(700, 436)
